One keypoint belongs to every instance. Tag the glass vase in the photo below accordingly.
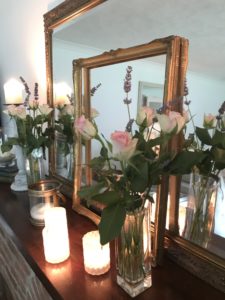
(200, 211)
(60, 159)
(133, 251)
(34, 166)
(70, 163)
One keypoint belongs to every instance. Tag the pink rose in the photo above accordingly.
(145, 113)
(209, 121)
(21, 112)
(123, 145)
(170, 121)
(11, 110)
(85, 128)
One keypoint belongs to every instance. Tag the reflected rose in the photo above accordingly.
(145, 113)
(209, 121)
(123, 145)
(169, 122)
(85, 128)
(45, 109)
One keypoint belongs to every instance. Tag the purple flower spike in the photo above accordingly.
(127, 101)
(127, 80)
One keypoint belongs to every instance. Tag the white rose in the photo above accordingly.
(44, 109)
(145, 113)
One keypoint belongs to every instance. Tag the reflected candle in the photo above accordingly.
(62, 91)
(13, 92)
(55, 235)
(96, 256)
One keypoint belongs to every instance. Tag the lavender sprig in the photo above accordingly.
(127, 89)
(36, 96)
(27, 90)
(94, 89)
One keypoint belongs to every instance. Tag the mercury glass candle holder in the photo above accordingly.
(96, 256)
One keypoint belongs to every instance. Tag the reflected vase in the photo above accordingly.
(70, 163)
(200, 211)
(60, 158)
(34, 166)
(133, 251)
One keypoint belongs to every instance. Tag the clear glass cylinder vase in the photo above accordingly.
(34, 166)
(200, 211)
(70, 163)
(133, 251)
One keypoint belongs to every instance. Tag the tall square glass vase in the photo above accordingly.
(200, 212)
(133, 251)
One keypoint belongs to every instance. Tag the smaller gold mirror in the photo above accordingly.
(174, 51)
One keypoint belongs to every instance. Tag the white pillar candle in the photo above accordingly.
(55, 235)
(96, 256)
(13, 92)
(61, 91)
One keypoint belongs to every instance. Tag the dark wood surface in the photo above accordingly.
(69, 281)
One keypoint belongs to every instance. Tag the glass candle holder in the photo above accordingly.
(96, 256)
(42, 196)
(55, 235)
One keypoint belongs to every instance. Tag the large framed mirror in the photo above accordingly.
(108, 69)
(60, 52)
(147, 21)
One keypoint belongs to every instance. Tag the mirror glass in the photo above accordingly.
(121, 24)
(108, 99)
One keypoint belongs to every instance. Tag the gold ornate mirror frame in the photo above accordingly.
(59, 15)
(175, 49)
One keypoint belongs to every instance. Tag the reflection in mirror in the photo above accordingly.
(108, 69)
(108, 100)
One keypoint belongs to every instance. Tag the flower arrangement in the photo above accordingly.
(130, 164)
(204, 150)
(203, 155)
(31, 120)
(64, 124)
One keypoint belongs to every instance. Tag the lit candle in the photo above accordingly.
(96, 256)
(13, 92)
(61, 91)
(55, 235)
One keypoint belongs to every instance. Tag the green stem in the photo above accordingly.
(98, 138)
(193, 124)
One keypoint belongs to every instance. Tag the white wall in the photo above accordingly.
(206, 94)
(22, 51)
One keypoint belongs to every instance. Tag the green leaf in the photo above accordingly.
(218, 139)
(104, 152)
(203, 135)
(184, 161)
(38, 119)
(112, 220)
(97, 162)
(7, 146)
(219, 158)
(108, 198)
(139, 179)
(90, 191)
